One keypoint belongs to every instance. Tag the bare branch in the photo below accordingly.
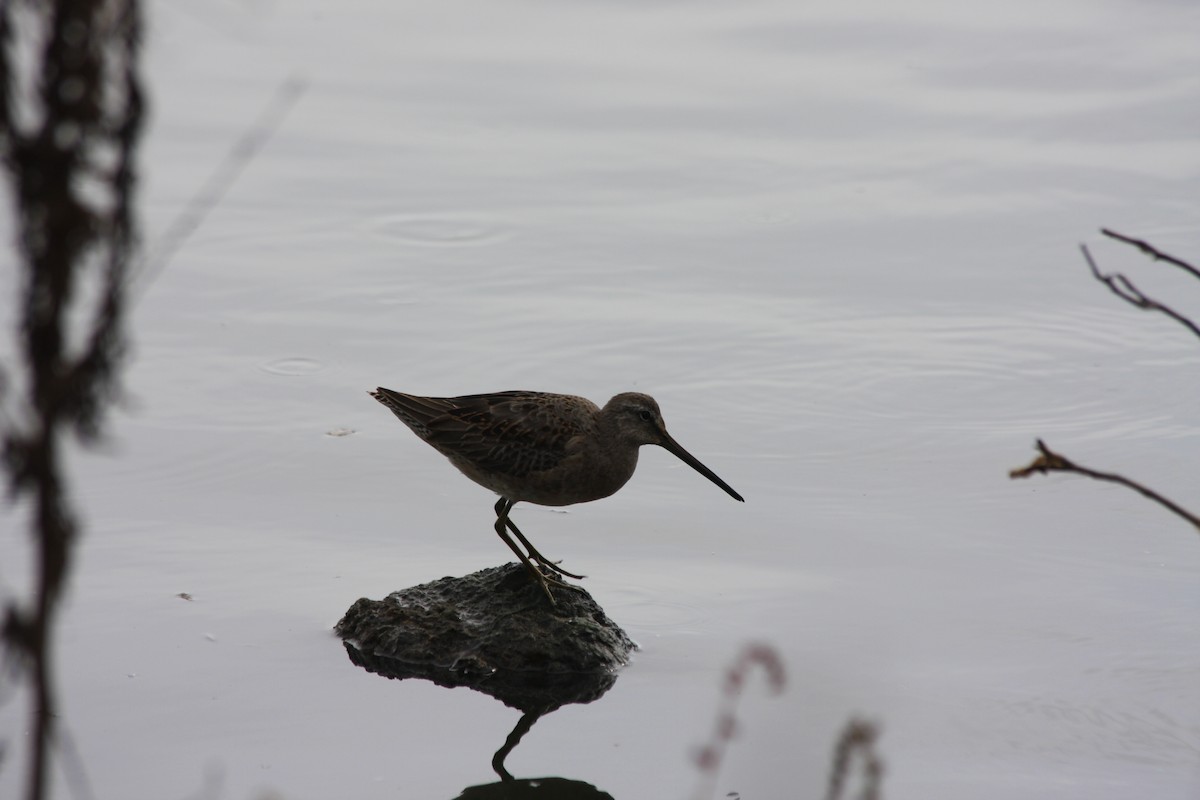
(1049, 461)
(1125, 289)
(1152, 251)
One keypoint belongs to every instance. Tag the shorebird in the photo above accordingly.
(535, 447)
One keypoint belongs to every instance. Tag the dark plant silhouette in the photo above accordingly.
(70, 120)
(1121, 286)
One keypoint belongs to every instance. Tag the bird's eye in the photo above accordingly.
(646, 416)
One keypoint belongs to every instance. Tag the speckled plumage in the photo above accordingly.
(548, 449)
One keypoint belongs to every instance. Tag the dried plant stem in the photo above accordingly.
(1125, 289)
(1049, 461)
(1152, 251)
(210, 194)
(858, 737)
(710, 756)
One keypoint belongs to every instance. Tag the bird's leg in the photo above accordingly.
(502, 508)
(538, 557)
(533, 551)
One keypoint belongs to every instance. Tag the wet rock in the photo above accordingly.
(492, 631)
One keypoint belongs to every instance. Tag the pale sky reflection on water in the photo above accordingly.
(836, 241)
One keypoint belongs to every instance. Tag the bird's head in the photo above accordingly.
(638, 420)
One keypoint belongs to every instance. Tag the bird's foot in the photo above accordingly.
(546, 579)
(554, 568)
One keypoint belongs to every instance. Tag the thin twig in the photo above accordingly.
(1124, 288)
(1152, 251)
(1049, 461)
(239, 155)
(74, 770)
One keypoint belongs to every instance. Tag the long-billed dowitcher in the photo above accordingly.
(548, 449)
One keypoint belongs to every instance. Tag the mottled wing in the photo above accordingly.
(511, 433)
(506, 433)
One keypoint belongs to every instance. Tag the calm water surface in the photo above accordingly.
(837, 241)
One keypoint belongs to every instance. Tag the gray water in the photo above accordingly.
(836, 241)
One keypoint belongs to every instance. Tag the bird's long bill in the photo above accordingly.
(673, 446)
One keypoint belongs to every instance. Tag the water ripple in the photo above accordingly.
(292, 367)
(433, 230)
